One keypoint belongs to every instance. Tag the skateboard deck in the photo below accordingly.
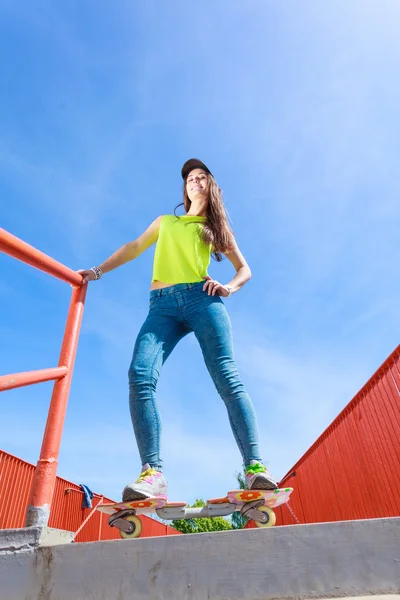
(257, 505)
(271, 498)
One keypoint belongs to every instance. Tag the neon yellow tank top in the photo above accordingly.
(181, 256)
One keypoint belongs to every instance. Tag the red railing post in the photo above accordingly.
(45, 474)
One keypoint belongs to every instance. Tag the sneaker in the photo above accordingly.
(149, 484)
(258, 477)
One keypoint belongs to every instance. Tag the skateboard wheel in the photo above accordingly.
(269, 513)
(135, 527)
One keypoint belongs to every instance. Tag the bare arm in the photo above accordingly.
(243, 274)
(127, 252)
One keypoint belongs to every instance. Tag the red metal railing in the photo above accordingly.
(45, 473)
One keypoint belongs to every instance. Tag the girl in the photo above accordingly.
(185, 299)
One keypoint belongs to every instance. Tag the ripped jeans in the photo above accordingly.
(174, 312)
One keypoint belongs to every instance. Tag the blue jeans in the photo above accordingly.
(174, 312)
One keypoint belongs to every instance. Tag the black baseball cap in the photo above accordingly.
(193, 163)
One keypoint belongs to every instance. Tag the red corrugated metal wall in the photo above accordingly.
(66, 509)
(352, 470)
(15, 482)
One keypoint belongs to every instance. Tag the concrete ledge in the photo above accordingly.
(352, 558)
(374, 597)
(28, 538)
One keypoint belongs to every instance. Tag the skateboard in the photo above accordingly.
(257, 505)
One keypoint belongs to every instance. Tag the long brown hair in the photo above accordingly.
(216, 230)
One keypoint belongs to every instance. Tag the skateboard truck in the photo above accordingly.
(119, 521)
(250, 511)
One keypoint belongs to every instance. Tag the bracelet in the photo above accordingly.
(229, 288)
(98, 273)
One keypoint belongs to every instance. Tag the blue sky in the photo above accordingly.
(294, 106)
